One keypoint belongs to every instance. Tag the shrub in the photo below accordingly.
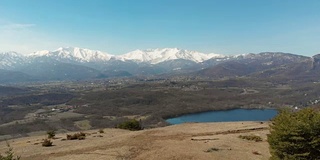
(295, 135)
(256, 153)
(79, 136)
(251, 138)
(9, 154)
(132, 125)
(46, 143)
(51, 134)
(212, 150)
(101, 131)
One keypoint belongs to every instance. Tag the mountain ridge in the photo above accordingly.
(152, 56)
(72, 63)
(155, 56)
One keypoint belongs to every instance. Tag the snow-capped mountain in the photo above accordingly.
(151, 56)
(73, 63)
(11, 59)
(74, 54)
(155, 56)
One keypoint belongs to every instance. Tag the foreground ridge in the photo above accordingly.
(186, 141)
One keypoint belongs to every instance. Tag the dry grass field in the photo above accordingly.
(194, 141)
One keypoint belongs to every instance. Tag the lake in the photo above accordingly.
(226, 116)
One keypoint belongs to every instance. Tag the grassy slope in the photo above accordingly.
(186, 141)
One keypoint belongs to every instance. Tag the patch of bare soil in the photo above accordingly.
(194, 141)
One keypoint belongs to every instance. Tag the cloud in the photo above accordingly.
(16, 26)
(27, 40)
(17, 37)
(20, 37)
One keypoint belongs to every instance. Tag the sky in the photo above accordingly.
(119, 26)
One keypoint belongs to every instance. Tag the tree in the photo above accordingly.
(9, 155)
(132, 125)
(51, 134)
(295, 135)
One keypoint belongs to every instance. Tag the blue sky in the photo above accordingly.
(120, 26)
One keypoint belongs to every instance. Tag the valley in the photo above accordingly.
(32, 109)
(72, 91)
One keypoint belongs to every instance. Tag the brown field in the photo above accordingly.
(196, 141)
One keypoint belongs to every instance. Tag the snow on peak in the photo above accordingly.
(39, 53)
(10, 54)
(155, 56)
(9, 59)
(80, 55)
(84, 55)
(75, 54)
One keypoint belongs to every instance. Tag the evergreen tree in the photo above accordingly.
(9, 154)
(295, 135)
(132, 125)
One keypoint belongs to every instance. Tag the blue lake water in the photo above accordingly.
(226, 116)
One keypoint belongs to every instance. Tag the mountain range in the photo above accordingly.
(73, 63)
